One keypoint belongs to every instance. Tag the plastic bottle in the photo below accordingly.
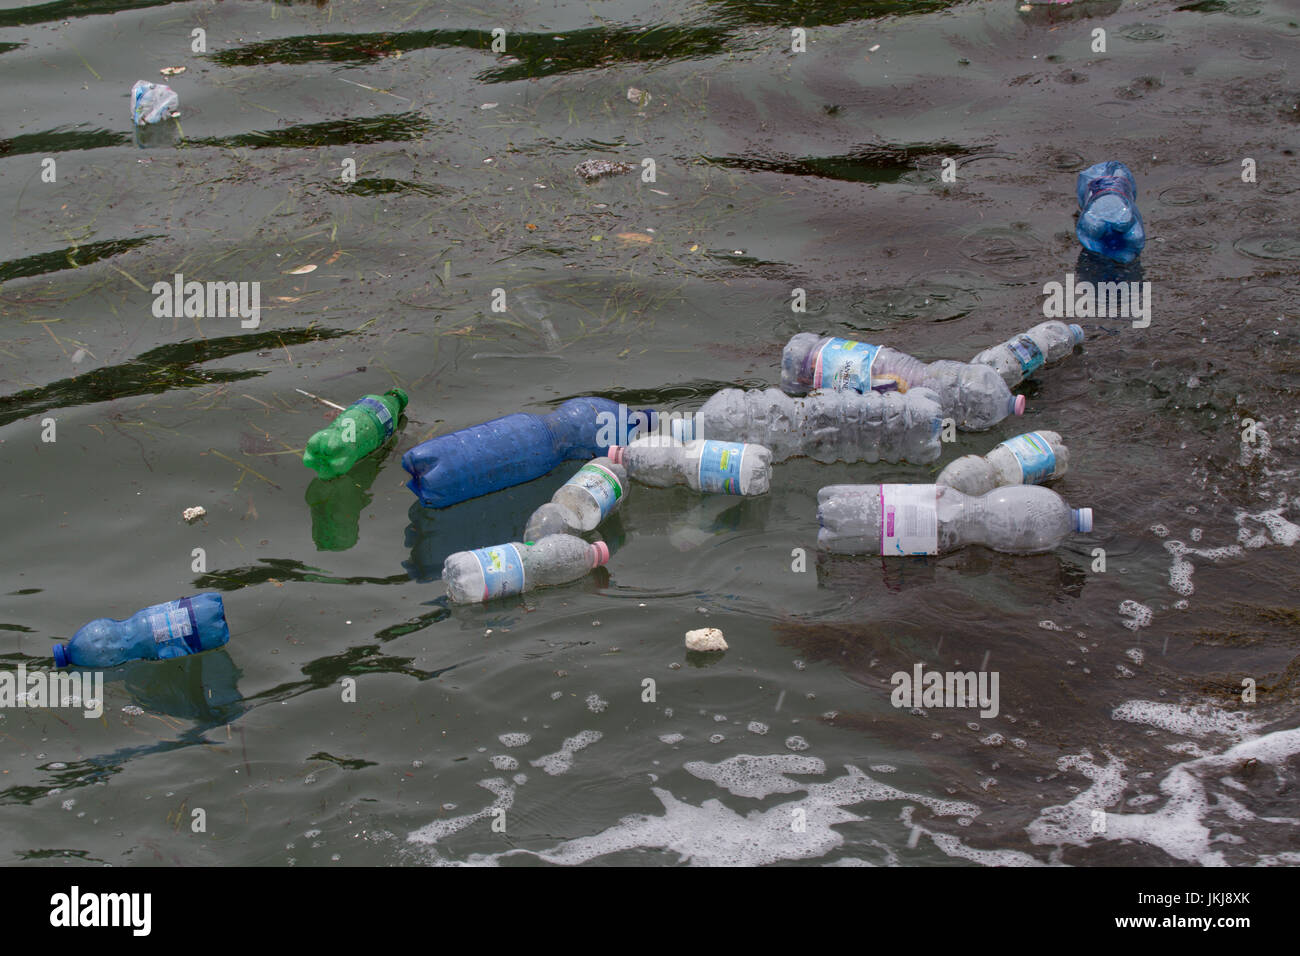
(485, 574)
(1020, 356)
(714, 467)
(174, 629)
(152, 102)
(581, 503)
(1109, 221)
(517, 448)
(1029, 459)
(973, 394)
(935, 519)
(358, 430)
(826, 426)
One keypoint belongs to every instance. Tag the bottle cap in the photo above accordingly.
(1082, 519)
(1077, 332)
(615, 454)
(1018, 405)
(400, 396)
(60, 655)
(600, 552)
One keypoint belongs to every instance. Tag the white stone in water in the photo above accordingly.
(705, 639)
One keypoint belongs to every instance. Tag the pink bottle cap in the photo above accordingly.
(1020, 404)
(615, 454)
(600, 551)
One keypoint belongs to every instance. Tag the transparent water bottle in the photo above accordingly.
(502, 570)
(1109, 221)
(824, 426)
(152, 102)
(974, 395)
(935, 519)
(1019, 357)
(714, 467)
(583, 502)
(1029, 459)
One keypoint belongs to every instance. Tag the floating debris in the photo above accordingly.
(639, 97)
(596, 168)
(173, 70)
(192, 515)
(705, 639)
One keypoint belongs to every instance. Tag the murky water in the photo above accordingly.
(522, 731)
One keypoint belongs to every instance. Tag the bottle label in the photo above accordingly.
(379, 411)
(1037, 460)
(601, 483)
(175, 624)
(843, 363)
(503, 571)
(908, 519)
(720, 463)
(1027, 352)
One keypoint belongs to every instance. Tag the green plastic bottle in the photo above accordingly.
(359, 429)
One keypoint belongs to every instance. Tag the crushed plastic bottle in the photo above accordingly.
(1020, 356)
(974, 395)
(935, 519)
(152, 102)
(188, 626)
(714, 467)
(359, 429)
(825, 426)
(503, 570)
(1029, 459)
(597, 490)
(1109, 221)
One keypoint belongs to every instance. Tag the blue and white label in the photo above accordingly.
(601, 483)
(174, 625)
(909, 521)
(720, 463)
(843, 363)
(1037, 460)
(379, 411)
(1027, 352)
(503, 571)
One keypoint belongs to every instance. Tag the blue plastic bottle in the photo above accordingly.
(1109, 222)
(509, 451)
(174, 629)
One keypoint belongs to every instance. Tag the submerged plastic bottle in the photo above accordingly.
(174, 629)
(714, 467)
(973, 394)
(581, 503)
(1029, 459)
(826, 426)
(503, 570)
(509, 451)
(935, 519)
(1109, 221)
(358, 430)
(1022, 355)
(151, 102)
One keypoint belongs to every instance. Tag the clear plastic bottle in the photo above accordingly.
(581, 503)
(152, 102)
(1019, 357)
(502, 570)
(974, 395)
(935, 519)
(1110, 223)
(1029, 459)
(826, 426)
(714, 467)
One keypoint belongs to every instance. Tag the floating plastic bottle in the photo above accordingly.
(358, 430)
(174, 629)
(1109, 221)
(152, 102)
(1019, 357)
(826, 426)
(714, 467)
(597, 490)
(1029, 459)
(517, 448)
(974, 395)
(503, 570)
(935, 519)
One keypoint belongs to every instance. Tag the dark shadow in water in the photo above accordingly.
(1090, 267)
(154, 371)
(73, 257)
(1049, 14)
(6, 47)
(281, 570)
(885, 163)
(819, 13)
(388, 128)
(61, 139)
(660, 398)
(384, 187)
(67, 9)
(867, 575)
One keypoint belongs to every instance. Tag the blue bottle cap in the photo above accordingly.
(1082, 519)
(60, 655)
(1077, 331)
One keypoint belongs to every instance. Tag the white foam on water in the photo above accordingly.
(757, 777)
(1136, 655)
(562, 760)
(1159, 530)
(514, 740)
(672, 738)
(1138, 615)
(756, 727)
(1186, 721)
(431, 833)
(595, 704)
(796, 743)
(503, 762)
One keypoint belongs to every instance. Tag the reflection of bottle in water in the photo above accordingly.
(505, 570)
(935, 519)
(1022, 355)
(152, 102)
(336, 505)
(712, 516)
(596, 491)
(1029, 459)
(201, 687)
